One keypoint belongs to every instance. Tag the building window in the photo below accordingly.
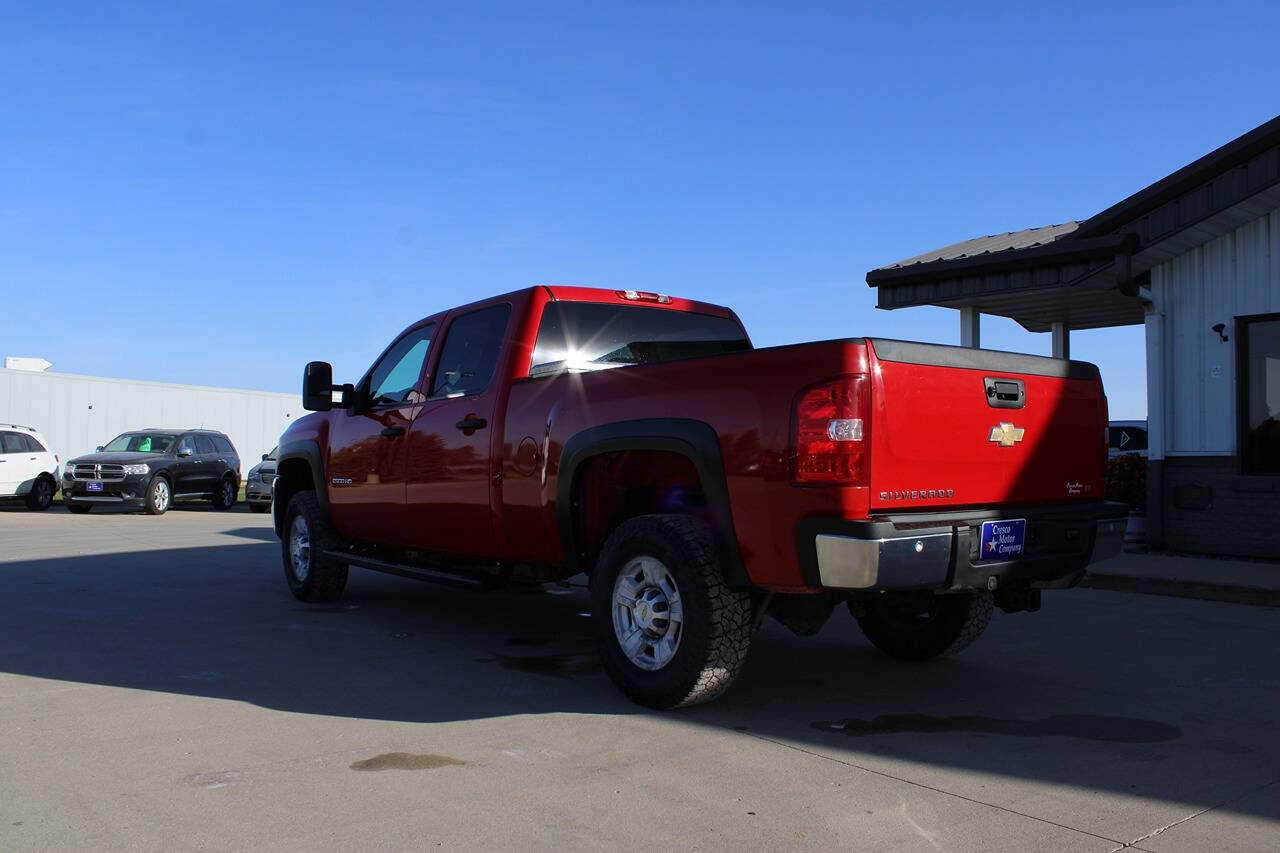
(1259, 389)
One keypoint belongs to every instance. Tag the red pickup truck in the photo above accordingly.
(700, 483)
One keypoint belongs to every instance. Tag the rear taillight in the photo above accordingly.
(1106, 436)
(831, 432)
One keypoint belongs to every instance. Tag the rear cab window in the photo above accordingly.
(585, 336)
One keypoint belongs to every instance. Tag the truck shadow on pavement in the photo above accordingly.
(1133, 695)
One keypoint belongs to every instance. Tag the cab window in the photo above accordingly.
(204, 445)
(11, 442)
(470, 352)
(187, 443)
(394, 379)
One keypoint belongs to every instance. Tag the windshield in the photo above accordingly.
(578, 336)
(271, 457)
(139, 442)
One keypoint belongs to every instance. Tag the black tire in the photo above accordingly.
(717, 622)
(224, 496)
(324, 578)
(159, 496)
(260, 507)
(77, 509)
(921, 625)
(40, 497)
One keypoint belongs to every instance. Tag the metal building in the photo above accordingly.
(1195, 258)
(78, 413)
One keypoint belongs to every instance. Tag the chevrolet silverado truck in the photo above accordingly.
(700, 483)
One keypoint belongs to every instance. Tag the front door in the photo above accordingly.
(188, 470)
(450, 443)
(367, 443)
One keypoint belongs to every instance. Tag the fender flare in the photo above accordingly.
(695, 440)
(308, 451)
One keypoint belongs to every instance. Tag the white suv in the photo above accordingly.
(28, 470)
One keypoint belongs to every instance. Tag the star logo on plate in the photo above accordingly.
(1006, 435)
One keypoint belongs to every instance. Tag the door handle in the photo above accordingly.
(392, 432)
(471, 423)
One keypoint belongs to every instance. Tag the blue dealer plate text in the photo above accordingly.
(1002, 540)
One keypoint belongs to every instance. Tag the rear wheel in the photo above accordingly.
(224, 497)
(922, 625)
(307, 535)
(41, 495)
(670, 631)
(159, 496)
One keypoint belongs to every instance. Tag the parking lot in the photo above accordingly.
(160, 688)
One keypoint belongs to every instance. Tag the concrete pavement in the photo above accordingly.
(160, 688)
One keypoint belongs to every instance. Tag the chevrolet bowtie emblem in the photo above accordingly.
(1006, 435)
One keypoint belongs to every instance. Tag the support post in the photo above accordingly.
(970, 326)
(1061, 340)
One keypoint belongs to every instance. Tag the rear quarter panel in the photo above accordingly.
(747, 398)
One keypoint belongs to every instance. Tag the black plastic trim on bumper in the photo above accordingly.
(904, 551)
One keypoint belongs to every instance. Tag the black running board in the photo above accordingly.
(405, 570)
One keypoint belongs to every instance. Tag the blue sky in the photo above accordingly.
(216, 193)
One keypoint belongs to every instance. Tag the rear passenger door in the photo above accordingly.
(449, 477)
(211, 467)
(226, 455)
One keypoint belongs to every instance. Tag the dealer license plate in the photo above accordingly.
(1002, 540)
(93, 486)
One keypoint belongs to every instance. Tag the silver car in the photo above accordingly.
(257, 485)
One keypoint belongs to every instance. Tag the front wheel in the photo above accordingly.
(159, 496)
(670, 631)
(922, 625)
(312, 576)
(41, 495)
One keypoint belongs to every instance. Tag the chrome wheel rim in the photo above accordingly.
(300, 548)
(160, 495)
(648, 615)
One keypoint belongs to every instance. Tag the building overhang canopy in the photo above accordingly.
(1089, 274)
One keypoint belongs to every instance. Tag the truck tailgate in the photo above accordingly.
(953, 426)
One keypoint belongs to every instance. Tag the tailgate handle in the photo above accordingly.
(1005, 393)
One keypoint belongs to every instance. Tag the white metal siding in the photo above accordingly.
(1236, 274)
(78, 413)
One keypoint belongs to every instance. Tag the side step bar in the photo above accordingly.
(406, 570)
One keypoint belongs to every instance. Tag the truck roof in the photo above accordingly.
(568, 293)
(648, 299)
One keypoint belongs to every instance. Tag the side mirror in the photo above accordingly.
(184, 452)
(317, 386)
(98, 449)
(265, 457)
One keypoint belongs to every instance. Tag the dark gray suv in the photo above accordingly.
(150, 469)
